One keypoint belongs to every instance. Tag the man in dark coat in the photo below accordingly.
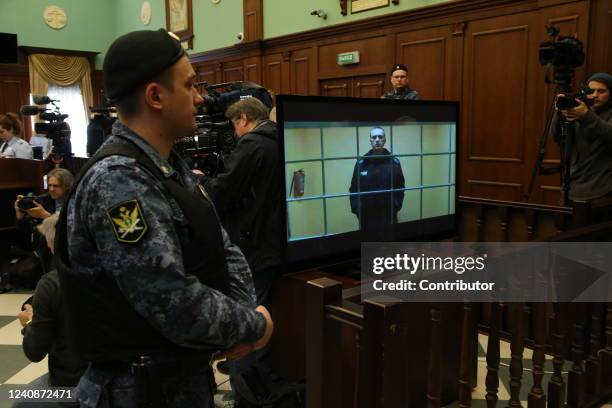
(374, 176)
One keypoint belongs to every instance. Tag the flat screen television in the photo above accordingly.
(8, 48)
(364, 170)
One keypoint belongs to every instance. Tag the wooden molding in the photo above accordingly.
(457, 29)
(453, 11)
(57, 51)
(14, 69)
(241, 50)
(344, 7)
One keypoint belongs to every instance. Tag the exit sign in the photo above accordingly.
(347, 58)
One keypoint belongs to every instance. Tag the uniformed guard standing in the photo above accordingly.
(153, 286)
(399, 82)
(377, 171)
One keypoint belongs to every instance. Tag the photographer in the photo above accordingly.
(59, 182)
(247, 193)
(591, 155)
(12, 145)
(34, 257)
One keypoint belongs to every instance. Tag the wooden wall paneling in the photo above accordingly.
(232, 71)
(207, 73)
(495, 99)
(372, 55)
(253, 20)
(301, 72)
(276, 72)
(369, 86)
(424, 54)
(252, 69)
(336, 87)
(494, 190)
(572, 19)
(483, 53)
(15, 92)
(600, 37)
(97, 84)
(453, 72)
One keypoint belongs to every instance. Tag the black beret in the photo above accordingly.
(399, 66)
(135, 58)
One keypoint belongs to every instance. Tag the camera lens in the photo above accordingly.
(565, 102)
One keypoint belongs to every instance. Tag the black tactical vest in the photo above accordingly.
(102, 325)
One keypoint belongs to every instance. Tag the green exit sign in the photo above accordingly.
(347, 58)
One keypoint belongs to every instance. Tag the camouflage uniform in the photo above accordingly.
(151, 274)
(404, 93)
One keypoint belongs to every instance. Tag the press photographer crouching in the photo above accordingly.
(34, 258)
(590, 152)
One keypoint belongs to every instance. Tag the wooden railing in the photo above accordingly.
(485, 220)
(387, 373)
(417, 355)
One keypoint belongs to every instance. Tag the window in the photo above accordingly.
(71, 103)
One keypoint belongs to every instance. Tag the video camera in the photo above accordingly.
(563, 54)
(27, 202)
(568, 101)
(215, 135)
(54, 125)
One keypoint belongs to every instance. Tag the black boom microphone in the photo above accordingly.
(31, 110)
(42, 99)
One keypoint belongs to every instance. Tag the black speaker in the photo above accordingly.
(8, 48)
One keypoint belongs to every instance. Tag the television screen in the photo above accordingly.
(364, 170)
(8, 48)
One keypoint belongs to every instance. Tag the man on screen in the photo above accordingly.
(379, 177)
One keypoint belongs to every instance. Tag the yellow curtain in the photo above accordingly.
(63, 71)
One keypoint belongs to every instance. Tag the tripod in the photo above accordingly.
(564, 137)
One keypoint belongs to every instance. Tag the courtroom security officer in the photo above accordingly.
(378, 170)
(399, 82)
(152, 284)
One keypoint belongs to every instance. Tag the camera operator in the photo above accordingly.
(591, 156)
(12, 145)
(247, 193)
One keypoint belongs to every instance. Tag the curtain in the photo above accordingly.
(63, 71)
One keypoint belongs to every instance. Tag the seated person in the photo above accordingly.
(44, 329)
(32, 252)
(12, 145)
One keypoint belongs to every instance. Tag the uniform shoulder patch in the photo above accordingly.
(128, 221)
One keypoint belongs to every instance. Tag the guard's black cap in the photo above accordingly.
(135, 58)
(399, 66)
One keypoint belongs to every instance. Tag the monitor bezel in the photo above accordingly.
(325, 260)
